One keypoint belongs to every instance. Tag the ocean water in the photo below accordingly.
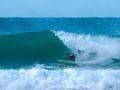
(30, 48)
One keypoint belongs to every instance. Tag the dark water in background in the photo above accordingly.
(30, 47)
(108, 26)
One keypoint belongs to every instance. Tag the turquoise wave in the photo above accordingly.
(28, 48)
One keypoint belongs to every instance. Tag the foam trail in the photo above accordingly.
(89, 47)
(39, 78)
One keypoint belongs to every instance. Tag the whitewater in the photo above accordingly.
(99, 49)
(39, 78)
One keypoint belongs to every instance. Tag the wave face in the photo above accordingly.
(28, 48)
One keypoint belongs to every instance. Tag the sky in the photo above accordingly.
(59, 8)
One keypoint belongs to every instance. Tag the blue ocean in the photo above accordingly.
(31, 47)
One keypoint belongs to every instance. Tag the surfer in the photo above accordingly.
(71, 57)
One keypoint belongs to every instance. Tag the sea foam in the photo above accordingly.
(39, 78)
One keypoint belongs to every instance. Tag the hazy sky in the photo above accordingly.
(59, 8)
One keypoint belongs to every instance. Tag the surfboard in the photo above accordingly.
(66, 62)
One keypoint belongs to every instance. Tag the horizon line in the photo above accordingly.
(56, 17)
